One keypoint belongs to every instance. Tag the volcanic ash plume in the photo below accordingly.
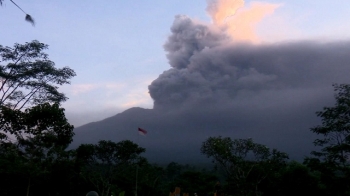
(219, 85)
(209, 68)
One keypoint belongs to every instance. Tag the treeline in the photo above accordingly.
(35, 134)
(108, 168)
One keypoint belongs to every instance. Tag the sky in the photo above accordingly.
(117, 48)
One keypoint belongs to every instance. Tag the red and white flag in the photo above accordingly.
(142, 131)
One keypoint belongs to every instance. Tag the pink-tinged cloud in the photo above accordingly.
(219, 10)
(240, 22)
(82, 88)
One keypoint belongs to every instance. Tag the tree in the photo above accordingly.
(28, 18)
(34, 132)
(45, 124)
(29, 77)
(332, 159)
(151, 179)
(297, 179)
(293, 179)
(335, 129)
(199, 182)
(102, 164)
(39, 137)
(245, 163)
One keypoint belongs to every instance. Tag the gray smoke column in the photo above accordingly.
(218, 86)
(209, 69)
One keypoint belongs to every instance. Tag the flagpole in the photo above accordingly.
(143, 132)
(137, 167)
(137, 171)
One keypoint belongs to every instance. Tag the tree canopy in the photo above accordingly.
(245, 163)
(28, 77)
(108, 162)
(332, 159)
(335, 129)
(34, 132)
(34, 140)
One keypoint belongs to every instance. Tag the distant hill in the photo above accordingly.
(163, 144)
(174, 137)
(217, 87)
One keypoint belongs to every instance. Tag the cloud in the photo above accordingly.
(269, 92)
(77, 89)
(218, 86)
(209, 67)
(241, 26)
(219, 10)
(113, 86)
(137, 99)
(240, 21)
(101, 100)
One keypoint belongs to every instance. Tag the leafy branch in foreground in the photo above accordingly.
(29, 78)
(335, 129)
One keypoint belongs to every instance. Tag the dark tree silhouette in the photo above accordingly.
(29, 77)
(335, 129)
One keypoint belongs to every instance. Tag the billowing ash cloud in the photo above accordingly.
(218, 86)
(209, 68)
(189, 37)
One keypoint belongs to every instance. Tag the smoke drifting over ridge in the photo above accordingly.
(221, 81)
(222, 85)
(212, 66)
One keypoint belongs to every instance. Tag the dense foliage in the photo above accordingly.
(246, 165)
(332, 161)
(34, 132)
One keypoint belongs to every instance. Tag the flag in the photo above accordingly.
(142, 131)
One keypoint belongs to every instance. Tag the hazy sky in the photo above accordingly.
(117, 47)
